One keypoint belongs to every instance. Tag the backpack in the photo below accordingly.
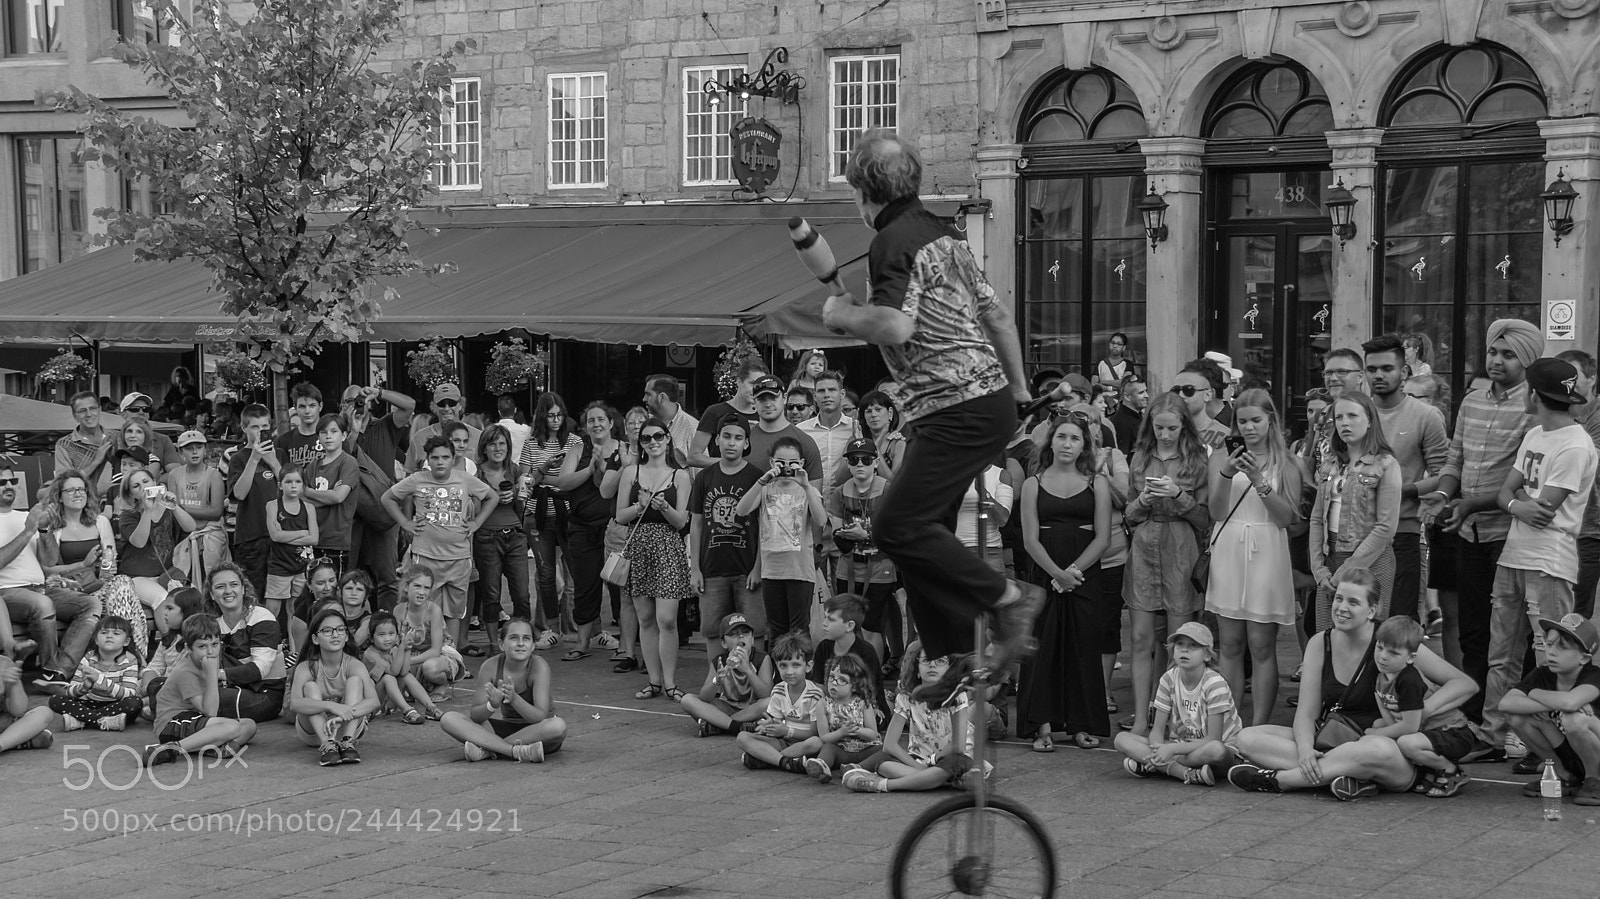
(375, 482)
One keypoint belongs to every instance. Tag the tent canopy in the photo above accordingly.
(21, 415)
(656, 274)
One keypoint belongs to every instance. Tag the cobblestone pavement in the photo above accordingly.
(636, 805)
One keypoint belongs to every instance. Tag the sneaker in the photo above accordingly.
(606, 641)
(547, 639)
(860, 780)
(819, 769)
(70, 724)
(1514, 747)
(1346, 788)
(1139, 769)
(528, 752)
(707, 729)
(1589, 792)
(792, 765)
(1528, 764)
(474, 752)
(475, 623)
(161, 754)
(1013, 616)
(1254, 779)
(751, 762)
(49, 680)
(347, 752)
(330, 755)
(1202, 776)
(40, 740)
(1483, 754)
(112, 722)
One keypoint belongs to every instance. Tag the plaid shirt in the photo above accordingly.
(74, 451)
(1488, 432)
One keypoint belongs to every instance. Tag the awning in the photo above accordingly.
(652, 274)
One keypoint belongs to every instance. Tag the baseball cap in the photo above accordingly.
(1195, 631)
(138, 454)
(1079, 384)
(732, 621)
(133, 398)
(860, 446)
(1045, 378)
(446, 391)
(1555, 379)
(767, 384)
(188, 437)
(1580, 629)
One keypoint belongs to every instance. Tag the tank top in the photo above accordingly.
(332, 684)
(670, 492)
(75, 551)
(191, 494)
(287, 559)
(526, 692)
(1362, 702)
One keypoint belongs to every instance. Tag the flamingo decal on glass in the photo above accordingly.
(1251, 316)
(1321, 318)
(1122, 266)
(1055, 271)
(1420, 267)
(1503, 266)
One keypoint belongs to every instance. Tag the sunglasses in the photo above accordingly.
(139, 410)
(9, 482)
(797, 407)
(860, 460)
(447, 404)
(654, 437)
(1188, 389)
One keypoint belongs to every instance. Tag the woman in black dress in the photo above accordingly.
(1066, 525)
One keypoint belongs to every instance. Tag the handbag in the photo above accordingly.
(372, 484)
(616, 568)
(1335, 728)
(1200, 571)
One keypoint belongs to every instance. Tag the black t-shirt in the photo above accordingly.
(251, 520)
(586, 507)
(711, 422)
(823, 654)
(1543, 678)
(1406, 693)
(295, 448)
(385, 441)
(729, 543)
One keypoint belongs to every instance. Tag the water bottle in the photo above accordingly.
(108, 561)
(1550, 790)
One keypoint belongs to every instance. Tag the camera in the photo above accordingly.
(152, 491)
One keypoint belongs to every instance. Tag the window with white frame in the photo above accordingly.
(461, 136)
(866, 95)
(707, 146)
(578, 130)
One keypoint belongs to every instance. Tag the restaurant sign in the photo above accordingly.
(755, 153)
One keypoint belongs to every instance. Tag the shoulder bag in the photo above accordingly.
(1335, 728)
(1200, 572)
(616, 568)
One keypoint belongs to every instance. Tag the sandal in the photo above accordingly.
(1085, 740)
(1447, 785)
(627, 664)
(650, 691)
(1111, 706)
(433, 713)
(1044, 743)
(414, 717)
(575, 655)
(674, 694)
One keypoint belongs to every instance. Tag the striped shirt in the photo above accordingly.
(797, 713)
(106, 681)
(1489, 429)
(1189, 710)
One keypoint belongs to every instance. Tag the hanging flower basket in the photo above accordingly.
(236, 372)
(513, 368)
(431, 365)
(727, 367)
(66, 367)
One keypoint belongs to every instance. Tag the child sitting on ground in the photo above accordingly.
(842, 616)
(104, 693)
(321, 584)
(778, 737)
(187, 720)
(331, 696)
(1196, 722)
(429, 656)
(181, 602)
(20, 726)
(387, 662)
(511, 715)
(737, 684)
(1553, 709)
(847, 722)
(354, 594)
(1434, 743)
(938, 750)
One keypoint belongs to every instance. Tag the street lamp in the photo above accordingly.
(768, 81)
(1153, 210)
(1558, 199)
(1341, 205)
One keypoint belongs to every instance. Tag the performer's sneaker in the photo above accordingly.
(1013, 616)
(948, 685)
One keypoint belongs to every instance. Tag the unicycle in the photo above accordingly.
(978, 843)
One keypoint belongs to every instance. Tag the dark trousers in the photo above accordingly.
(586, 555)
(544, 543)
(497, 552)
(90, 711)
(378, 551)
(1475, 566)
(947, 585)
(1588, 575)
(788, 605)
(251, 555)
(1407, 595)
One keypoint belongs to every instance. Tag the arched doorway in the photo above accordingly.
(1081, 247)
(1269, 281)
(1461, 170)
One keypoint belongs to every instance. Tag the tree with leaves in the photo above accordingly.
(293, 180)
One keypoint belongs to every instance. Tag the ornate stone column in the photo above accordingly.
(997, 183)
(1355, 161)
(1172, 297)
(1572, 270)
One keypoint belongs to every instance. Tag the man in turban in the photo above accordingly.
(1489, 428)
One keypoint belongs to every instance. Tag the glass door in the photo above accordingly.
(1276, 306)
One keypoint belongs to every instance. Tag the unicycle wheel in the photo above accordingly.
(949, 850)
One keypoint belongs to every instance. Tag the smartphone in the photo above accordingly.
(1153, 480)
(1233, 443)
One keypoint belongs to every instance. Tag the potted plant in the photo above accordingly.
(513, 367)
(431, 365)
(727, 367)
(237, 373)
(66, 367)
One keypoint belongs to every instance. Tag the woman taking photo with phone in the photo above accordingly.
(1255, 496)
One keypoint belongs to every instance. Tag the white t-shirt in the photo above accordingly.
(1563, 458)
(24, 570)
(518, 432)
(1188, 711)
(967, 516)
